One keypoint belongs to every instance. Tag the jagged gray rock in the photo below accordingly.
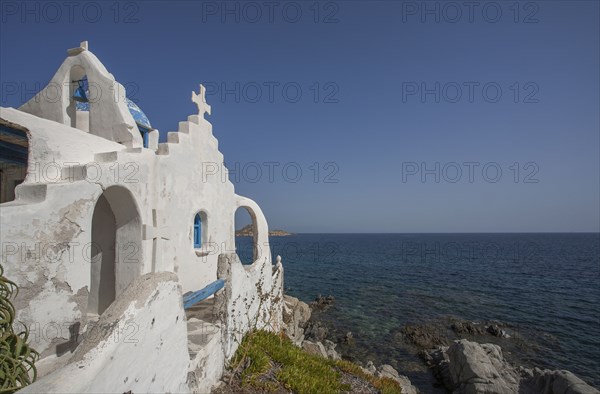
(553, 382)
(370, 368)
(316, 348)
(316, 331)
(468, 367)
(479, 368)
(387, 371)
(331, 352)
(295, 318)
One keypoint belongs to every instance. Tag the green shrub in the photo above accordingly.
(17, 359)
(267, 361)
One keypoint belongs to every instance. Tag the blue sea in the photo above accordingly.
(544, 287)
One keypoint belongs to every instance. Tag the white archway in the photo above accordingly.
(116, 247)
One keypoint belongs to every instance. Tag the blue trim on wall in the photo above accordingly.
(145, 134)
(197, 231)
(189, 299)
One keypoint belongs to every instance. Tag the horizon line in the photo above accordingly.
(460, 232)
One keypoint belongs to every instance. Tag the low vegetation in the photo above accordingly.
(267, 362)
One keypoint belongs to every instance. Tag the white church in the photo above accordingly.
(110, 235)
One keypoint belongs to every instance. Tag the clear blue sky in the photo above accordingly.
(370, 129)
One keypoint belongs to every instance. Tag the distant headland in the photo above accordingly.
(246, 231)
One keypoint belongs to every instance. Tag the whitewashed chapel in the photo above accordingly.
(105, 231)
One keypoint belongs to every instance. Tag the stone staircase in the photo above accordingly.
(205, 347)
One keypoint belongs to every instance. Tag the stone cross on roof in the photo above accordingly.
(83, 46)
(200, 100)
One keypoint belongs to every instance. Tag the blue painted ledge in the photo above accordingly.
(190, 299)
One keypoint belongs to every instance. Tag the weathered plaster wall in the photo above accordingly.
(139, 345)
(251, 299)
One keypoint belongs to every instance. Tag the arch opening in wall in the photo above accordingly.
(14, 153)
(115, 248)
(199, 232)
(246, 235)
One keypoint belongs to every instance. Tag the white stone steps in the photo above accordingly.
(163, 148)
(30, 193)
(173, 137)
(206, 355)
(204, 346)
(184, 127)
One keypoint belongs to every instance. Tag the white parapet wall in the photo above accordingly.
(139, 345)
(251, 299)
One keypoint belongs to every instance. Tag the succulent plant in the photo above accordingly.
(17, 358)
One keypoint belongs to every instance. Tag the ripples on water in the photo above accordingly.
(544, 285)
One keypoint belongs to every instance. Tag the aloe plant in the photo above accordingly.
(17, 358)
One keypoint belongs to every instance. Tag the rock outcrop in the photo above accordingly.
(553, 382)
(316, 348)
(424, 336)
(469, 367)
(316, 330)
(322, 302)
(296, 315)
(476, 368)
(310, 337)
(331, 352)
(387, 371)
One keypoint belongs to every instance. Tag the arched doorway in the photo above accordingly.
(116, 254)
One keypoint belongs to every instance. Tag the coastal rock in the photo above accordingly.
(479, 368)
(330, 349)
(496, 331)
(370, 368)
(316, 331)
(348, 338)
(295, 318)
(315, 348)
(439, 363)
(460, 327)
(322, 303)
(468, 367)
(424, 336)
(387, 371)
(553, 382)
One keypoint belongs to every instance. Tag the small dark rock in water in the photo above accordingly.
(424, 336)
(467, 328)
(495, 330)
(348, 338)
(321, 302)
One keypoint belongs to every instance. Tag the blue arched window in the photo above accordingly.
(197, 232)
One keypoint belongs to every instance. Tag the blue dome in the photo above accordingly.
(138, 115)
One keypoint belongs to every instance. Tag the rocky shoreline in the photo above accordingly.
(296, 317)
(459, 366)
